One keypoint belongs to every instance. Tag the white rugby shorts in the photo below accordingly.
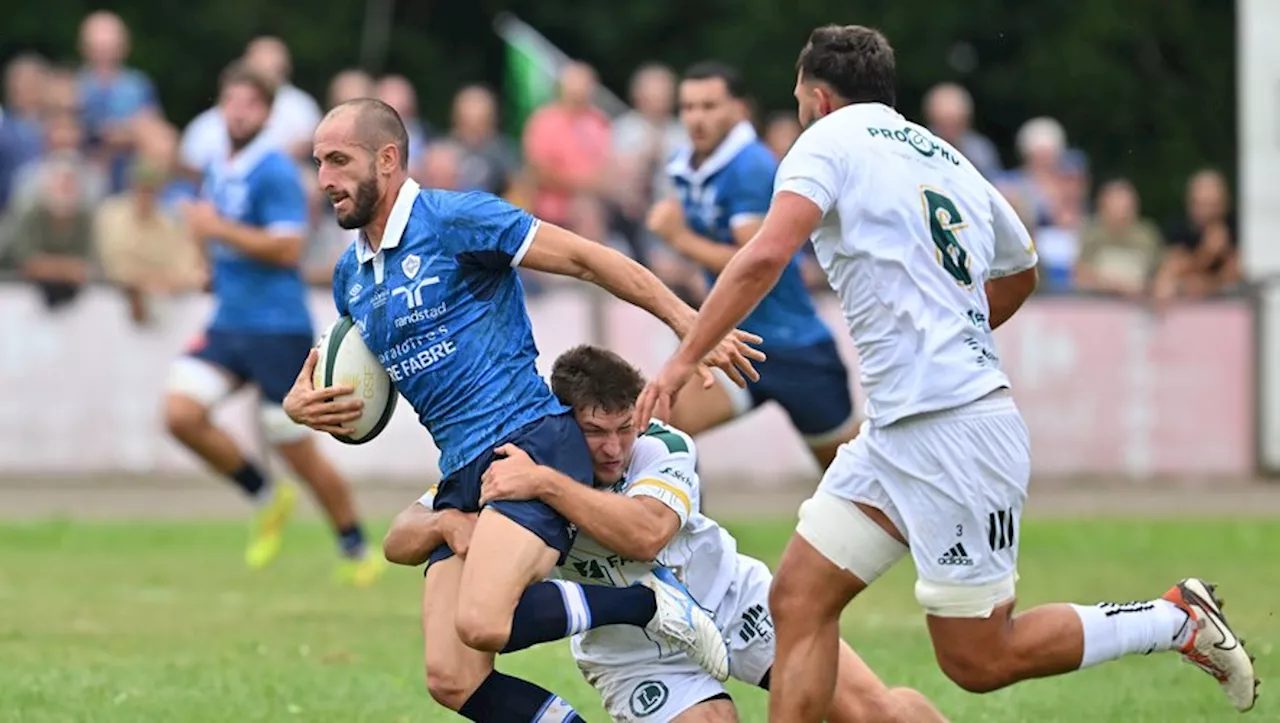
(656, 691)
(954, 484)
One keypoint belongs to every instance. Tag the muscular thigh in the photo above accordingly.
(445, 655)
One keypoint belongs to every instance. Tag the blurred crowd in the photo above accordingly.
(92, 170)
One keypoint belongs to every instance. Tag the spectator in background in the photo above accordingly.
(49, 227)
(567, 147)
(20, 141)
(112, 95)
(1119, 250)
(140, 241)
(294, 114)
(645, 137)
(489, 162)
(440, 167)
(63, 148)
(350, 84)
(781, 131)
(1202, 254)
(1043, 185)
(948, 111)
(397, 92)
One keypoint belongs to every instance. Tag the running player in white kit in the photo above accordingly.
(927, 259)
(642, 514)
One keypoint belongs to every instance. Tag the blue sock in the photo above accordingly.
(558, 609)
(503, 699)
(352, 541)
(249, 479)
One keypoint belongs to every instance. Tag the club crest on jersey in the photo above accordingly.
(355, 291)
(411, 265)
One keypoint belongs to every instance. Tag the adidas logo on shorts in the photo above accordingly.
(956, 556)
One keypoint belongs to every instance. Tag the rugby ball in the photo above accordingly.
(345, 360)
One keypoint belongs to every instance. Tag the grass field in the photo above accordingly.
(161, 622)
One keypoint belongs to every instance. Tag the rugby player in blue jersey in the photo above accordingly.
(431, 285)
(724, 178)
(251, 217)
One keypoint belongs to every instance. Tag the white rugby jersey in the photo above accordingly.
(703, 555)
(910, 233)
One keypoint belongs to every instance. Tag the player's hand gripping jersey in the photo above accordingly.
(911, 232)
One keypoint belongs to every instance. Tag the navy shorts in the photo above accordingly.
(810, 382)
(554, 441)
(269, 361)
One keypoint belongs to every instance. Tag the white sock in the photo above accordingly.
(1113, 630)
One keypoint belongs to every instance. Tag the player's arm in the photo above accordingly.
(752, 272)
(1013, 269)
(278, 245)
(636, 528)
(418, 530)
(808, 182)
(747, 198)
(280, 203)
(558, 251)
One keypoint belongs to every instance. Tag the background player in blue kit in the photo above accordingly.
(431, 286)
(252, 217)
(724, 178)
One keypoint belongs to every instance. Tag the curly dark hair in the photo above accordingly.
(588, 377)
(857, 62)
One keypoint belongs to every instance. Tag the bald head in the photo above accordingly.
(374, 124)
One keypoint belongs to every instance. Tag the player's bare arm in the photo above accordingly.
(1006, 295)
(635, 527)
(753, 271)
(259, 243)
(558, 251)
(666, 220)
(418, 530)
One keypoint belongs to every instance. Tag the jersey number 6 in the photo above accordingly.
(944, 221)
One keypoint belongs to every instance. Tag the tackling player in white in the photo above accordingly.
(927, 260)
(643, 516)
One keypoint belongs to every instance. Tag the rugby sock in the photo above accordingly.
(503, 699)
(352, 541)
(1112, 630)
(557, 609)
(249, 479)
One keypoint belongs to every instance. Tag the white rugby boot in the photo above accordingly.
(1214, 647)
(684, 623)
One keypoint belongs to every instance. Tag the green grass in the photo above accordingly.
(161, 622)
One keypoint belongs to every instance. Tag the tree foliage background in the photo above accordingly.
(1145, 87)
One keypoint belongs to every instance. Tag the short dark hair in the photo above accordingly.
(377, 125)
(709, 69)
(588, 377)
(239, 73)
(857, 62)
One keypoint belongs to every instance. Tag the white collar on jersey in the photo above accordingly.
(396, 222)
(242, 164)
(742, 135)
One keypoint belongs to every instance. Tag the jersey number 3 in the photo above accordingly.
(944, 221)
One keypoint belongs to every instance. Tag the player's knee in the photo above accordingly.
(976, 671)
(184, 416)
(451, 685)
(479, 629)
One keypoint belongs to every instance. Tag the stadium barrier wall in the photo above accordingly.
(1107, 388)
